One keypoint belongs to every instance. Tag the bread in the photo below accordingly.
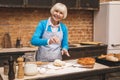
(111, 58)
(86, 61)
(102, 56)
(117, 56)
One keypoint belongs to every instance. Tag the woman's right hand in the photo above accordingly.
(54, 40)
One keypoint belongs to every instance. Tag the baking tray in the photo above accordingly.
(108, 63)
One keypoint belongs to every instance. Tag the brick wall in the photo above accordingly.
(20, 22)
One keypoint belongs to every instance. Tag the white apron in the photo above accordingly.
(52, 51)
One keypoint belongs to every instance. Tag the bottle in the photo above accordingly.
(18, 42)
(11, 73)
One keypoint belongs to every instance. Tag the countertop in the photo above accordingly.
(23, 49)
(85, 45)
(68, 73)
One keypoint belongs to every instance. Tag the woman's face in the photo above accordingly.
(57, 15)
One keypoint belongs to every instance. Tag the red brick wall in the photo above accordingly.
(20, 22)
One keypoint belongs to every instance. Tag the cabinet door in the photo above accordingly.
(5, 56)
(89, 4)
(39, 3)
(71, 4)
(11, 3)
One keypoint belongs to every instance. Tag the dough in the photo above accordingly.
(58, 63)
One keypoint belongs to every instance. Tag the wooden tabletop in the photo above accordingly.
(58, 74)
(23, 49)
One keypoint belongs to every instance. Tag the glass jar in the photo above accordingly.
(6, 68)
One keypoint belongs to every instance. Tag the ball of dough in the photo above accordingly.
(59, 63)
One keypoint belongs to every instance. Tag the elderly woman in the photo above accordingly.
(51, 35)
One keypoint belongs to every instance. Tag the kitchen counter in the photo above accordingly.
(12, 50)
(74, 51)
(27, 49)
(70, 73)
(77, 51)
(5, 53)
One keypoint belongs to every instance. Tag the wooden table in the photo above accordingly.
(14, 50)
(70, 73)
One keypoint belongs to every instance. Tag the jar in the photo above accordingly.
(30, 69)
(6, 68)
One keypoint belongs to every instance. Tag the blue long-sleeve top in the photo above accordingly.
(37, 39)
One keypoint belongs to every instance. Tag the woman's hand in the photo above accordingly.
(65, 52)
(54, 40)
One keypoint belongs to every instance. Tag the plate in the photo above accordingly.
(83, 66)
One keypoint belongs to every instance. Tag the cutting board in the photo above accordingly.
(91, 43)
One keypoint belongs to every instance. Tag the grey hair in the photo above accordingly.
(60, 7)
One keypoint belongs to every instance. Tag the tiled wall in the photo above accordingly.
(21, 22)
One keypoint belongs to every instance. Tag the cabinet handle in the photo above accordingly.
(115, 45)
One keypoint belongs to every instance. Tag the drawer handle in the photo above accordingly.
(115, 45)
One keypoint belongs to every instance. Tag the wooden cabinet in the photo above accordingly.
(81, 4)
(89, 4)
(5, 56)
(39, 3)
(12, 3)
(5, 53)
(96, 77)
(88, 51)
(71, 4)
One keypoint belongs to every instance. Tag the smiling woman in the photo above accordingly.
(51, 35)
(59, 8)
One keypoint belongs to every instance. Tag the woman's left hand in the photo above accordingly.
(65, 52)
